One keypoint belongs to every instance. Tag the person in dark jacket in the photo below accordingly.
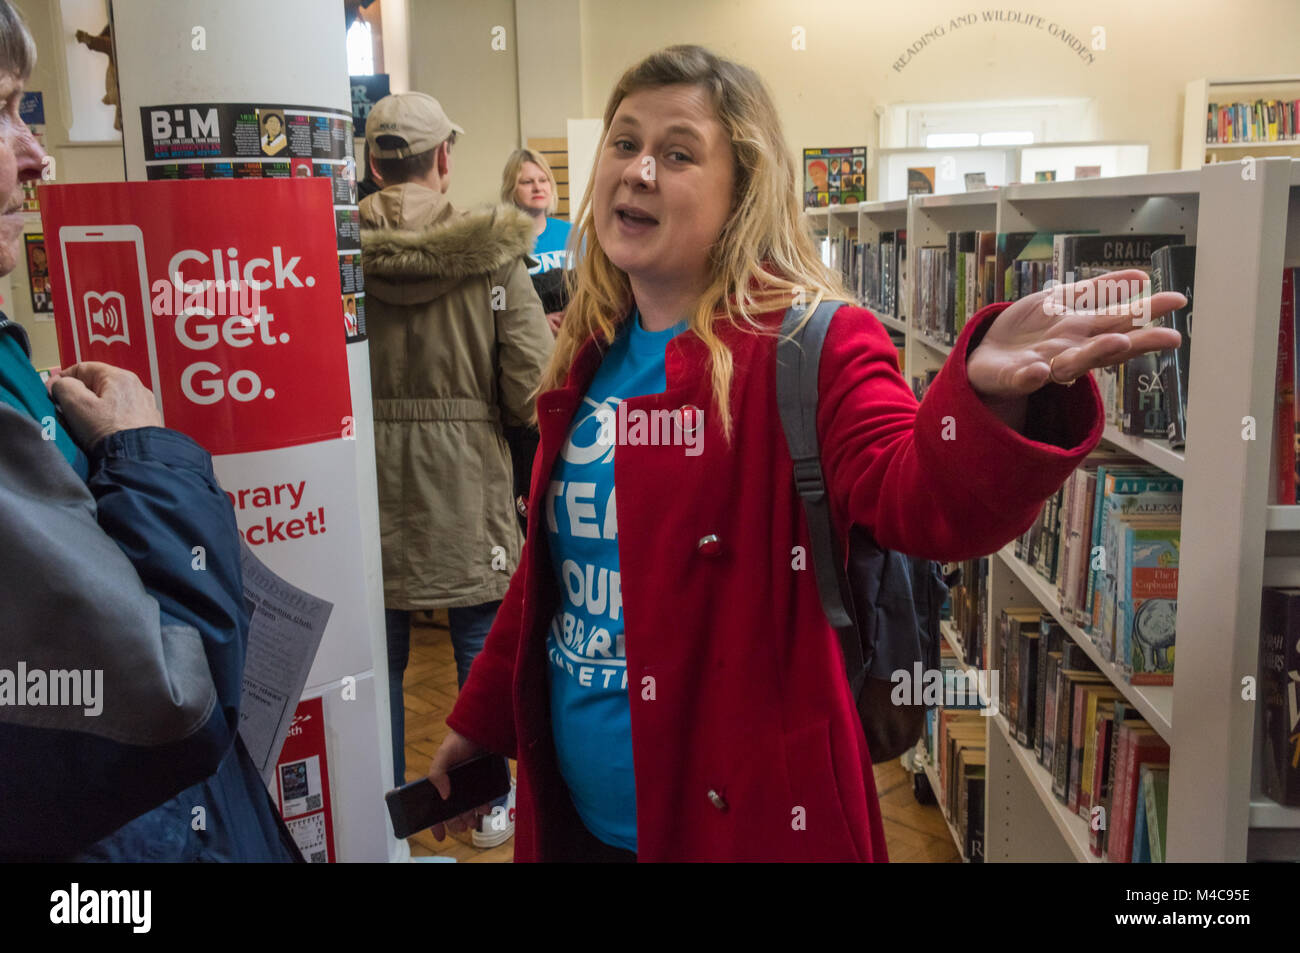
(122, 648)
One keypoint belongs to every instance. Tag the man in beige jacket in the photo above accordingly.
(458, 341)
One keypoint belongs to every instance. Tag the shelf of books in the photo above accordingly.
(933, 777)
(1096, 751)
(866, 243)
(1225, 119)
(940, 296)
(1154, 702)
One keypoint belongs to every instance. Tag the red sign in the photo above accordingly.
(302, 784)
(223, 296)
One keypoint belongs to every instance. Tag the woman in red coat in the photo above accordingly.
(661, 666)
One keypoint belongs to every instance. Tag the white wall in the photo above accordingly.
(827, 93)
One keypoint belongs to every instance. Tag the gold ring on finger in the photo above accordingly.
(1051, 373)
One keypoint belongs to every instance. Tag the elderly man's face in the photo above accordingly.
(20, 161)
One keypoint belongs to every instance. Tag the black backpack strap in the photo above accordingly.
(798, 359)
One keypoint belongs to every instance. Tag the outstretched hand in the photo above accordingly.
(1063, 333)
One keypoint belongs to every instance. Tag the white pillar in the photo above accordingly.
(289, 53)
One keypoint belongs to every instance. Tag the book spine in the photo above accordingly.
(1040, 683)
(1291, 282)
(972, 282)
(1286, 417)
(1154, 828)
(1100, 770)
(1094, 573)
(1076, 750)
(1174, 271)
(1061, 747)
(1049, 713)
(1028, 694)
(1117, 850)
(1279, 667)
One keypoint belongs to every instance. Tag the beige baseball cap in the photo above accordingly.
(417, 118)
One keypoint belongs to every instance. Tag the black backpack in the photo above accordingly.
(884, 606)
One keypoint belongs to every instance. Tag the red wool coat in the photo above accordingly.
(748, 747)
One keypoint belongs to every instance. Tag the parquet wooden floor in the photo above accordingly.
(914, 833)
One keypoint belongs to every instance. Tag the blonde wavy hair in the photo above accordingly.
(510, 176)
(764, 257)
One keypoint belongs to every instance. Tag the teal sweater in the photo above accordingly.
(22, 388)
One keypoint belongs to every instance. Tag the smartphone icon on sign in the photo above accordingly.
(108, 295)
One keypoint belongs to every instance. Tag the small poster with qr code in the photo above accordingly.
(302, 784)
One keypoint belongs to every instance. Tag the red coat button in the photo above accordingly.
(709, 545)
(692, 418)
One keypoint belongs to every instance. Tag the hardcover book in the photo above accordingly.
(1083, 730)
(834, 176)
(1124, 713)
(1051, 636)
(1069, 684)
(1138, 746)
(1148, 600)
(1155, 789)
(920, 180)
(1279, 674)
(1173, 268)
(1285, 425)
(1100, 777)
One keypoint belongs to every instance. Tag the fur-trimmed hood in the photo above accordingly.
(415, 246)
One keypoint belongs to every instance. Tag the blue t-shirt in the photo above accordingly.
(550, 247)
(590, 717)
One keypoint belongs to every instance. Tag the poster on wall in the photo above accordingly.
(302, 784)
(219, 294)
(266, 141)
(920, 180)
(834, 176)
(366, 91)
(38, 276)
(215, 294)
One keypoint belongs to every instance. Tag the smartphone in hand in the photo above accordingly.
(418, 805)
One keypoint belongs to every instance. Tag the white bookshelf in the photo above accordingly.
(1234, 542)
(1197, 151)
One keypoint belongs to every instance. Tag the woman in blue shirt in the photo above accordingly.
(528, 183)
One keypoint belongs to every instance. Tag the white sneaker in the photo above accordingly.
(496, 828)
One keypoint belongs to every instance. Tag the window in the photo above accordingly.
(1023, 138)
(987, 123)
(361, 56)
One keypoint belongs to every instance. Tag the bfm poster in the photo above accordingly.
(223, 297)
